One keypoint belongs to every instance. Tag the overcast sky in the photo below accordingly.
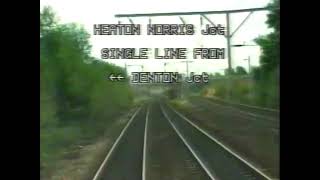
(90, 12)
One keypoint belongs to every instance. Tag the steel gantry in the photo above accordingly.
(203, 14)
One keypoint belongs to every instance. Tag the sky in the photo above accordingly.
(90, 12)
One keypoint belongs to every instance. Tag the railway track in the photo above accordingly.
(266, 114)
(159, 144)
(273, 113)
(258, 118)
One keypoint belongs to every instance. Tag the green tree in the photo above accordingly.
(48, 20)
(267, 75)
(76, 100)
(217, 74)
(240, 70)
(228, 72)
(270, 44)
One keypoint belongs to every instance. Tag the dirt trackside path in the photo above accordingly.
(83, 162)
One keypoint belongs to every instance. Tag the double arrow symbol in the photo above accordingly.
(112, 77)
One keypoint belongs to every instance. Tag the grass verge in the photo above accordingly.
(71, 156)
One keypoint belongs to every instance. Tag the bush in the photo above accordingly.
(77, 102)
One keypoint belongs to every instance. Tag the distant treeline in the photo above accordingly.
(77, 101)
